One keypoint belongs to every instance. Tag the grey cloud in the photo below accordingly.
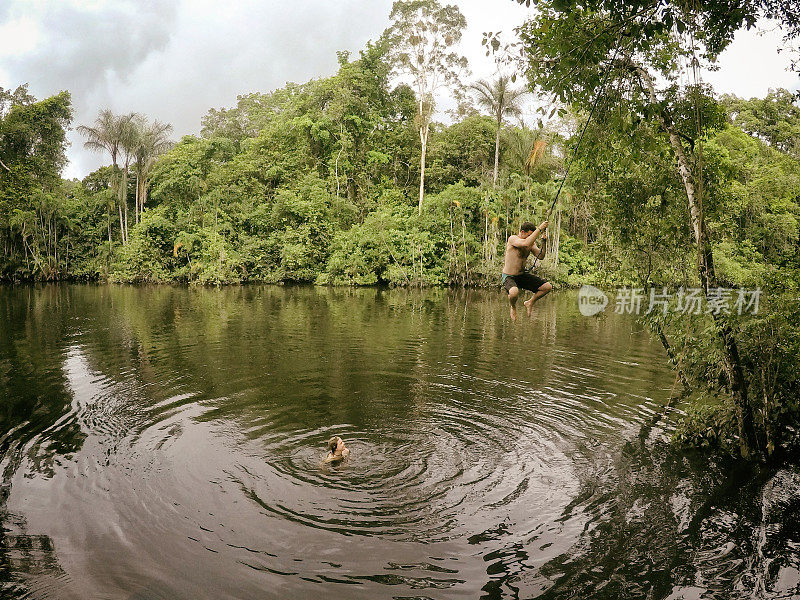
(90, 52)
(175, 61)
(81, 48)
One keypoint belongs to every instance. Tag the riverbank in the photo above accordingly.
(481, 277)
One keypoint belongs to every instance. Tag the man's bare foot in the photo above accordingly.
(513, 313)
(529, 306)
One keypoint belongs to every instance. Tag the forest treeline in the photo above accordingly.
(349, 180)
(317, 183)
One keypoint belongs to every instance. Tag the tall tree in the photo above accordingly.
(8, 100)
(32, 155)
(572, 44)
(152, 140)
(774, 119)
(104, 135)
(501, 100)
(116, 135)
(128, 139)
(421, 38)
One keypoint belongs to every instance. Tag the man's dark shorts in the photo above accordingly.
(524, 281)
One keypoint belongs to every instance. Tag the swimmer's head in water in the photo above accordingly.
(337, 450)
(333, 443)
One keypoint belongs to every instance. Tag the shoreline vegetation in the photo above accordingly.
(351, 180)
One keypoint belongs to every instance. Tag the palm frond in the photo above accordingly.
(498, 97)
(535, 155)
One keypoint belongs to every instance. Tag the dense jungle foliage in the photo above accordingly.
(317, 183)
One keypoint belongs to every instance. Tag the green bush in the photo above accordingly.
(147, 257)
(576, 265)
(707, 426)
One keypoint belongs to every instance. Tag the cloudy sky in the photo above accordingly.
(174, 59)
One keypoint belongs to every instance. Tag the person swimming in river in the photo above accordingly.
(514, 276)
(337, 451)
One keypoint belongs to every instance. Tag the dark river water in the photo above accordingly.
(163, 443)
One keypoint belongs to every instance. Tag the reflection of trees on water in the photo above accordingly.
(664, 524)
(24, 557)
(35, 397)
(256, 337)
(640, 531)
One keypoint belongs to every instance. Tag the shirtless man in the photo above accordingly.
(514, 276)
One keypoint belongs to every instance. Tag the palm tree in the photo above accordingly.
(115, 134)
(501, 101)
(151, 142)
(525, 151)
(128, 138)
(104, 135)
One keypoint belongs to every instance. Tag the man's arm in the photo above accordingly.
(528, 242)
(517, 241)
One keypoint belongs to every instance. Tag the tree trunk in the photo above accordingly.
(352, 190)
(464, 242)
(121, 223)
(136, 200)
(453, 250)
(486, 231)
(557, 238)
(496, 152)
(731, 361)
(423, 138)
(672, 356)
(730, 356)
(116, 175)
(123, 195)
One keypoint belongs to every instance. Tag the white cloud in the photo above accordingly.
(18, 36)
(482, 17)
(752, 65)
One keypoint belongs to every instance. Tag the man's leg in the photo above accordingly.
(513, 294)
(543, 290)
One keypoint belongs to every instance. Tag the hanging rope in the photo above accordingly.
(600, 92)
(583, 131)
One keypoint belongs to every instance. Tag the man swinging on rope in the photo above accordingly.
(514, 275)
